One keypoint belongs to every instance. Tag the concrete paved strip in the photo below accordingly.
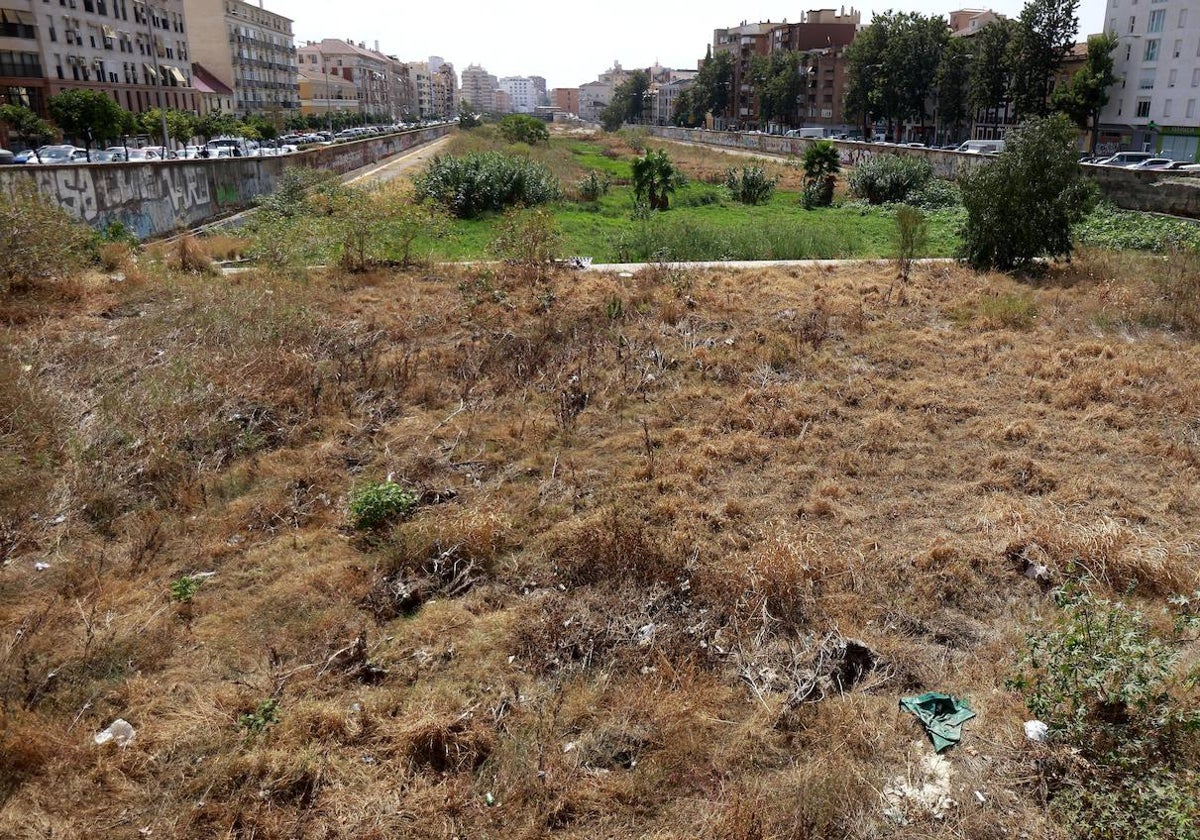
(746, 264)
(380, 172)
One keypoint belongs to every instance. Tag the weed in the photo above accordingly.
(750, 184)
(373, 505)
(530, 239)
(38, 240)
(184, 588)
(886, 179)
(265, 714)
(594, 185)
(912, 234)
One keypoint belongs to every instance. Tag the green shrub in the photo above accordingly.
(529, 238)
(373, 505)
(885, 179)
(184, 588)
(1022, 205)
(1107, 226)
(1118, 697)
(522, 128)
(264, 715)
(38, 239)
(937, 194)
(912, 234)
(482, 182)
(821, 165)
(594, 185)
(750, 184)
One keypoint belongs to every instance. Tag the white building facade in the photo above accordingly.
(1155, 104)
(522, 93)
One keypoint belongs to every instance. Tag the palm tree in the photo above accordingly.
(821, 164)
(654, 178)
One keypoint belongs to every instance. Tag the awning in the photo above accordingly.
(109, 32)
(178, 76)
(22, 17)
(150, 71)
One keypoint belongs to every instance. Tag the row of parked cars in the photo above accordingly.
(1140, 160)
(220, 147)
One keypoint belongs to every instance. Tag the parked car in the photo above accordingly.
(6, 157)
(105, 156)
(982, 147)
(1125, 158)
(1190, 167)
(1153, 163)
(26, 156)
(61, 154)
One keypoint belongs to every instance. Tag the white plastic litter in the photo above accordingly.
(1035, 730)
(41, 567)
(119, 732)
(924, 791)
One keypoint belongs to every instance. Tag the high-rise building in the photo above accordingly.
(137, 54)
(1155, 105)
(251, 50)
(479, 89)
(521, 92)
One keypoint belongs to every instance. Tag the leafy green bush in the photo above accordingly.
(750, 184)
(265, 714)
(184, 588)
(38, 240)
(594, 185)
(482, 182)
(1107, 226)
(522, 128)
(1022, 205)
(1116, 695)
(821, 165)
(373, 505)
(937, 194)
(885, 178)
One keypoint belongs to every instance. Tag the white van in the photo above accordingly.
(982, 147)
(807, 133)
(229, 146)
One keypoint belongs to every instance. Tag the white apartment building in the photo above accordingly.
(522, 92)
(479, 88)
(251, 50)
(1155, 104)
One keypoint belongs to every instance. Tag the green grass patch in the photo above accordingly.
(1128, 230)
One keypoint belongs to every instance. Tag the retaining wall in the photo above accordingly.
(152, 198)
(1175, 193)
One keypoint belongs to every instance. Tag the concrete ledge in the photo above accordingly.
(152, 198)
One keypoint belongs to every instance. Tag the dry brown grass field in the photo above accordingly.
(653, 511)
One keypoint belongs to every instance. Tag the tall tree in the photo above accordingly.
(712, 89)
(1085, 95)
(628, 101)
(990, 83)
(181, 126)
(88, 115)
(911, 61)
(951, 83)
(217, 124)
(27, 125)
(1044, 35)
(776, 80)
(864, 66)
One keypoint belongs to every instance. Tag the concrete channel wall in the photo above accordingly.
(153, 198)
(1176, 193)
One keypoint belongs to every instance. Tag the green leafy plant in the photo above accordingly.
(1022, 205)
(184, 588)
(1117, 695)
(373, 505)
(522, 128)
(654, 179)
(884, 179)
(911, 237)
(750, 184)
(821, 164)
(482, 182)
(528, 238)
(264, 715)
(594, 185)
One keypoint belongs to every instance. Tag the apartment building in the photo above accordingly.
(565, 100)
(662, 106)
(251, 50)
(137, 54)
(1156, 104)
(821, 35)
(595, 96)
(445, 90)
(322, 93)
(375, 76)
(522, 93)
(479, 89)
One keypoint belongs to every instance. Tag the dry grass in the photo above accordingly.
(672, 569)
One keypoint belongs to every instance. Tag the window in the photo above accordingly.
(1146, 82)
(1143, 108)
(1171, 78)
(1158, 18)
(1196, 77)
(1132, 23)
(1183, 17)
(1128, 51)
(23, 64)
(1178, 47)
(1151, 53)
(1167, 108)
(1191, 109)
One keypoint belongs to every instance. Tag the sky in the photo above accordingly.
(570, 43)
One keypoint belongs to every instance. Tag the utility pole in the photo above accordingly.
(162, 110)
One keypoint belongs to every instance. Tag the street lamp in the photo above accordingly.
(162, 111)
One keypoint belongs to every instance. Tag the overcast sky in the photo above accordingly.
(570, 43)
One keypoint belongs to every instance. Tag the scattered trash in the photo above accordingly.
(625, 274)
(645, 634)
(567, 747)
(941, 715)
(578, 262)
(60, 519)
(489, 800)
(119, 732)
(925, 790)
(41, 567)
(1036, 571)
(980, 798)
(1035, 730)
